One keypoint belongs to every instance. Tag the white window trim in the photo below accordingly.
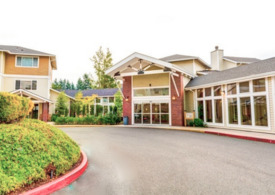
(26, 80)
(38, 61)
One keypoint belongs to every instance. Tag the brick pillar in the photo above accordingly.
(177, 110)
(127, 92)
(45, 111)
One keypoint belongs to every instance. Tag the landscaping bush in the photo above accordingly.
(27, 148)
(197, 123)
(107, 119)
(54, 117)
(13, 107)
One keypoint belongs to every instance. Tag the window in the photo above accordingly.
(259, 85)
(105, 100)
(137, 113)
(208, 91)
(232, 111)
(97, 100)
(231, 89)
(208, 104)
(217, 90)
(200, 93)
(245, 111)
(244, 87)
(260, 110)
(27, 61)
(111, 99)
(200, 110)
(151, 92)
(28, 85)
(146, 113)
(218, 110)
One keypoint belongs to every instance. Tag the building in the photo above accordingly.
(28, 73)
(232, 92)
(105, 97)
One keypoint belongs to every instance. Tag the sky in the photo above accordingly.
(74, 30)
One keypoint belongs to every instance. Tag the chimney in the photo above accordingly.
(217, 59)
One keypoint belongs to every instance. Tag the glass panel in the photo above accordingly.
(137, 118)
(26, 62)
(155, 119)
(151, 92)
(140, 92)
(25, 85)
(231, 89)
(146, 118)
(35, 62)
(111, 99)
(259, 85)
(233, 110)
(18, 63)
(105, 100)
(260, 108)
(200, 93)
(207, 91)
(245, 111)
(97, 100)
(200, 110)
(155, 108)
(137, 108)
(217, 90)
(34, 85)
(164, 119)
(164, 108)
(208, 104)
(17, 84)
(218, 111)
(146, 108)
(244, 87)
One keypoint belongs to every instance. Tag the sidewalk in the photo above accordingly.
(240, 134)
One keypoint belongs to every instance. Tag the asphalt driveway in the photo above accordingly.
(152, 161)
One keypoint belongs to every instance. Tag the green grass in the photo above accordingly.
(27, 148)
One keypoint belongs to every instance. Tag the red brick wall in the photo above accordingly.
(127, 92)
(177, 109)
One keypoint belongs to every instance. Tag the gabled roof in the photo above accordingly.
(30, 94)
(17, 50)
(123, 64)
(178, 57)
(241, 59)
(90, 92)
(254, 70)
(60, 92)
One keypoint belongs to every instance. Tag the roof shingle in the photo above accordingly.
(241, 59)
(22, 50)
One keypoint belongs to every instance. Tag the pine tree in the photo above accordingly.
(68, 85)
(79, 84)
(72, 86)
(87, 81)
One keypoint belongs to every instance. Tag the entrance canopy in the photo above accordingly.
(36, 99)
(138, 64)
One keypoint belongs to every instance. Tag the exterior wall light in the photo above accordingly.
(127, 99)
(173, 97)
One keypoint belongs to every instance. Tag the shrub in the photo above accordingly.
(13, 107)
(197, 123)
(54, 117)
(27, 148)
(62, 104)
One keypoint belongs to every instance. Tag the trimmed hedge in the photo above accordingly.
(108, 119)
(13, 107)
(28, 148)
(197, 123)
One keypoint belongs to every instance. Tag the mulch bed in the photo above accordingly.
(36, 184)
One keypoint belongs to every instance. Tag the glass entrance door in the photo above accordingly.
(151, 113)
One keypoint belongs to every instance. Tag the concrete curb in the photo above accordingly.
(62, 181)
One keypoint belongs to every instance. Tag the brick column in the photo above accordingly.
(177, 110)
(45, 111)
(127, 92)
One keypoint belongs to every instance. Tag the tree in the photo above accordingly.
(68, 85)
(62, 84)
(102, 62)
(79, 84)
(56, 85)
(87, 81)
(118, 103)
(62, 104)
(73, 87)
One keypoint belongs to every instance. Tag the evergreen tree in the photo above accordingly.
(102, 62)
(55, 85)
(68, 85)
(79, 84)
(62, 104)
(72, 86)
(87, 81)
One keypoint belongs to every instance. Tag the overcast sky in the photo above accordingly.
(74, 30)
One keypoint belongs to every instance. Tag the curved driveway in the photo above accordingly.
(152, 161)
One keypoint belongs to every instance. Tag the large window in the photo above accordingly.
(233, 111)
(208, 91)
(244, 87)
(27, 61)
(260, 110)
(231, 89)
(245, 111)
(200, 110)
(208, 104)
(27, 85)
(259, 85)
(151, 92)
(200, 93)
(218, 110)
